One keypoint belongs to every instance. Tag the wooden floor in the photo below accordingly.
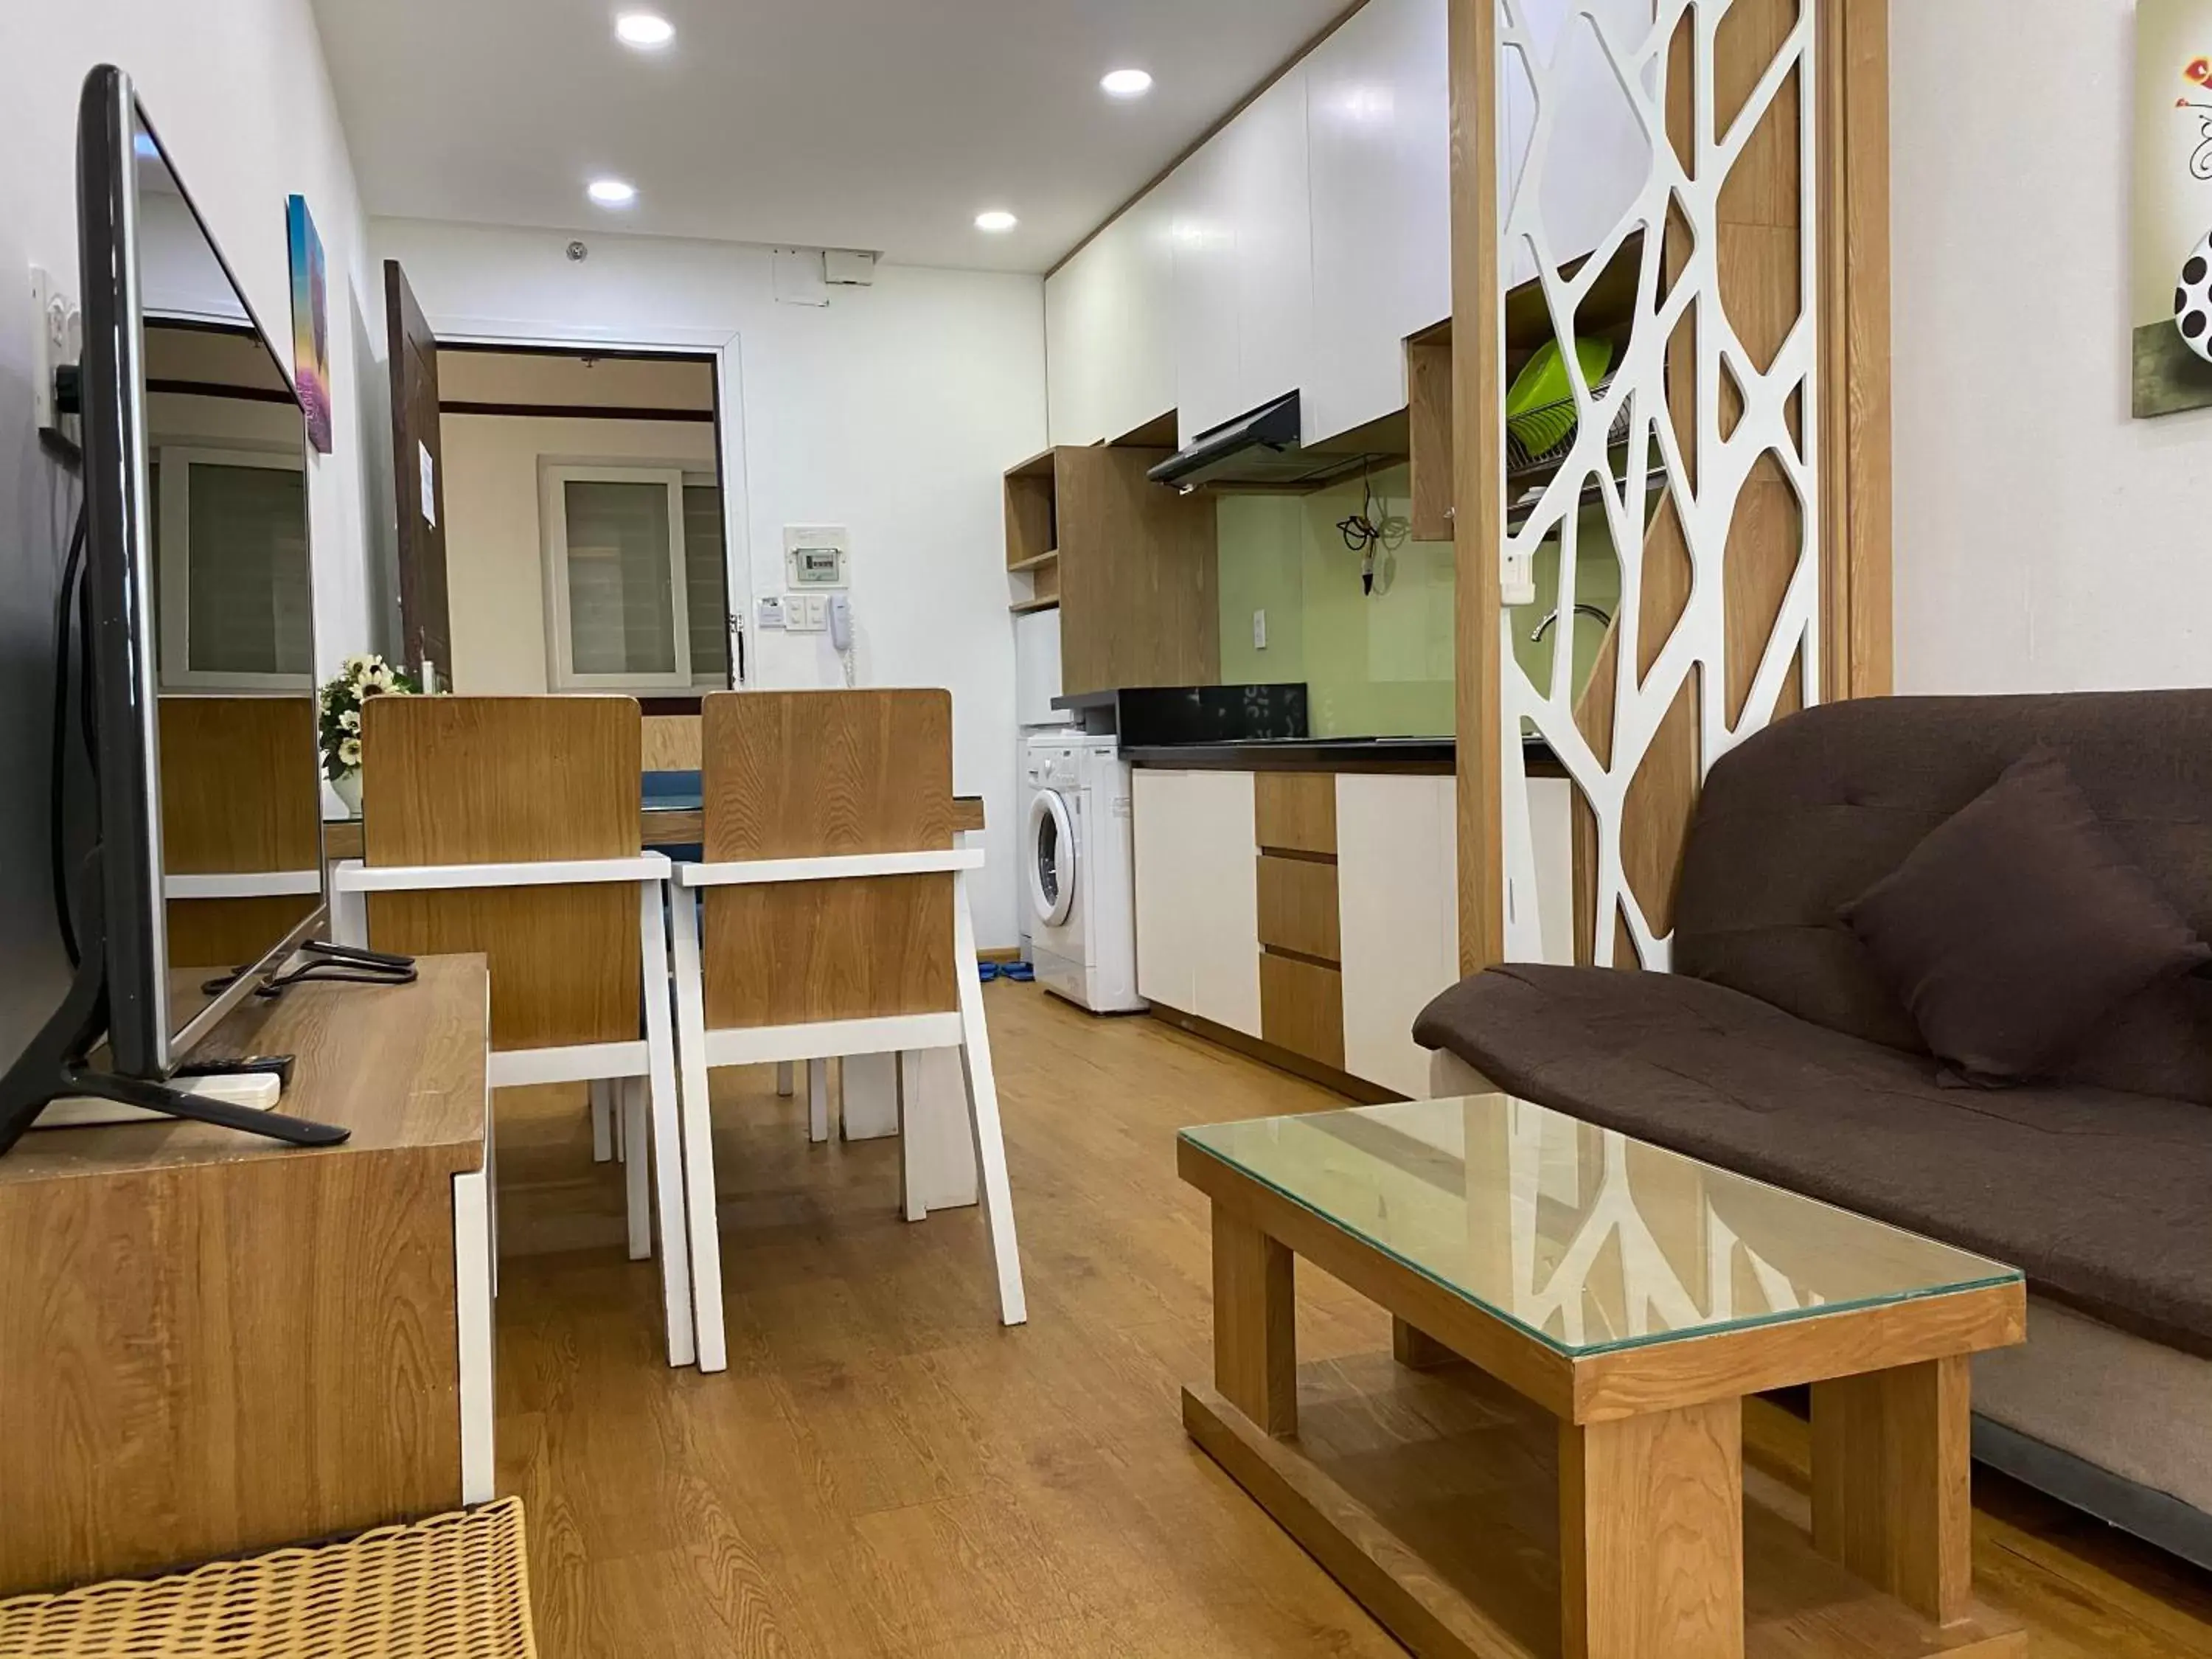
(885, 1471)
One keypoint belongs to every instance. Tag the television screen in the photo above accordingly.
(221, 792)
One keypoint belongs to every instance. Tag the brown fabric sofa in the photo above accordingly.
(1772, 1049)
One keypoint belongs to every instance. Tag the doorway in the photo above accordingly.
(564, 525)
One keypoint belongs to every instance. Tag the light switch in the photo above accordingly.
(806, 613)
(1259, 629)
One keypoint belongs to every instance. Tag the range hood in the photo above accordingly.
(1259, 449)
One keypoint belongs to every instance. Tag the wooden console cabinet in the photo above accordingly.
(211, 1344)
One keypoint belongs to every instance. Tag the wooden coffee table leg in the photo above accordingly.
(1651, 1536)
(1416, 1349)
(1892, 1482)
(1255, 1356)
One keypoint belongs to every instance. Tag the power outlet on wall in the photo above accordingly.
(1517, 578)
(57, 341)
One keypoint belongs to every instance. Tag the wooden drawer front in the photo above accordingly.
(1297, 907)
(1297, 812)
(1301, 1008)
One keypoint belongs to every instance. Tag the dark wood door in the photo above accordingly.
(418, 470)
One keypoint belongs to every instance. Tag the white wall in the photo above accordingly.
(495, 558)
(240, 94)
(893, 409)
(2045, 541)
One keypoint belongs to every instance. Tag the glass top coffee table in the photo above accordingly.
(1615, 1304)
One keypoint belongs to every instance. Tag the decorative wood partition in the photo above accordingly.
(1735, 451)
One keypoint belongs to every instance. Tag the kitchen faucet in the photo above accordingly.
(1545, 626)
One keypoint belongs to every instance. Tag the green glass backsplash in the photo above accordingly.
(1379, 665)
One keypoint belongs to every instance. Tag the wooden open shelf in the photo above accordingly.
(1433, 1497)
(1130, 565)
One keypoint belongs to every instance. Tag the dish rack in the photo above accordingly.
(1537, 440)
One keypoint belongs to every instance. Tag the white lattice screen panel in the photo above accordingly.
(1711, 507)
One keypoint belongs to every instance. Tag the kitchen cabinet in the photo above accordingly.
(1198, 921)
(1108, 329)
(1204, 310)
(1397, 867)
(1378, 142)
(1270, 191)
(1316, 911)
(1130, 568)
(1243, 234)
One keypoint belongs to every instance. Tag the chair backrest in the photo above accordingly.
(238, 796)
(672, 743)
(821, 774)
(1809, 813)
(512, 781)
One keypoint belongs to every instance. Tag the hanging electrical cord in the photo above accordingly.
(57, 826)
(1368, 528)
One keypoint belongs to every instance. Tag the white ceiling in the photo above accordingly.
(869, 123)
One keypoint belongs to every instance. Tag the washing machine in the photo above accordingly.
(1077, 860)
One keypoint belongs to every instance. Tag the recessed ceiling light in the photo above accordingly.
(612, 192)
(644, 29)
(1127, 83)
(998, 219)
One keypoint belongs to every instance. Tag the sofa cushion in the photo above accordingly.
(2097, 1195)
(1802, 818)
(2018, 923)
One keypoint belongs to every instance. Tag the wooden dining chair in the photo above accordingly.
(509, 826)
(835, 922)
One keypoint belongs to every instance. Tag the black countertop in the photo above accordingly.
(1432, 755)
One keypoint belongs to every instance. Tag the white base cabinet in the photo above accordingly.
(1198, 907)
(1396, 878)
(1397, 897)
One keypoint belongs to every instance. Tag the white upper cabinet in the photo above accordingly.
(1378, 121)
(1270, 187)
(1243, 262)
(1293, 251)
(1110, 347)
(1202, 230)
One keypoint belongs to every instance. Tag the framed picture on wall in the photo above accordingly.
(311, 331)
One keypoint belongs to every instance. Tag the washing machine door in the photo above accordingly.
(1049, 857)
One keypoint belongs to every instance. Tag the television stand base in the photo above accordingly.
(165, 1100)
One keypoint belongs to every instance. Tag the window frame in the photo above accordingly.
(175, 460)
(553, 476)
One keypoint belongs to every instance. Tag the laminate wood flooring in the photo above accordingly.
(884, 1470)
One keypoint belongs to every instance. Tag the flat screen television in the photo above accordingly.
(199, 871)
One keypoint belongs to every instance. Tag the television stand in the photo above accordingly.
(169, 1101)
(56, 1066)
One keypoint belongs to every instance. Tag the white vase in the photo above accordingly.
(347, 787)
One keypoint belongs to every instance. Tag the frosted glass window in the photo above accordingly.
(247, 583)
(621, 597)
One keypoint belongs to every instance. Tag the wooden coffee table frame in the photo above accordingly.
(1651, 1492)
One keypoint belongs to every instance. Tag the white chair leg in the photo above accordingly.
(698, 1134)
(905, 1087)
(817, 1101)
(783, 1079)
(350, 918)
(603, 1130)
(657, 1094)
(983, 1115)
(637, 1167)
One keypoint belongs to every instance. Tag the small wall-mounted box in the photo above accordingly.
(815, 555)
